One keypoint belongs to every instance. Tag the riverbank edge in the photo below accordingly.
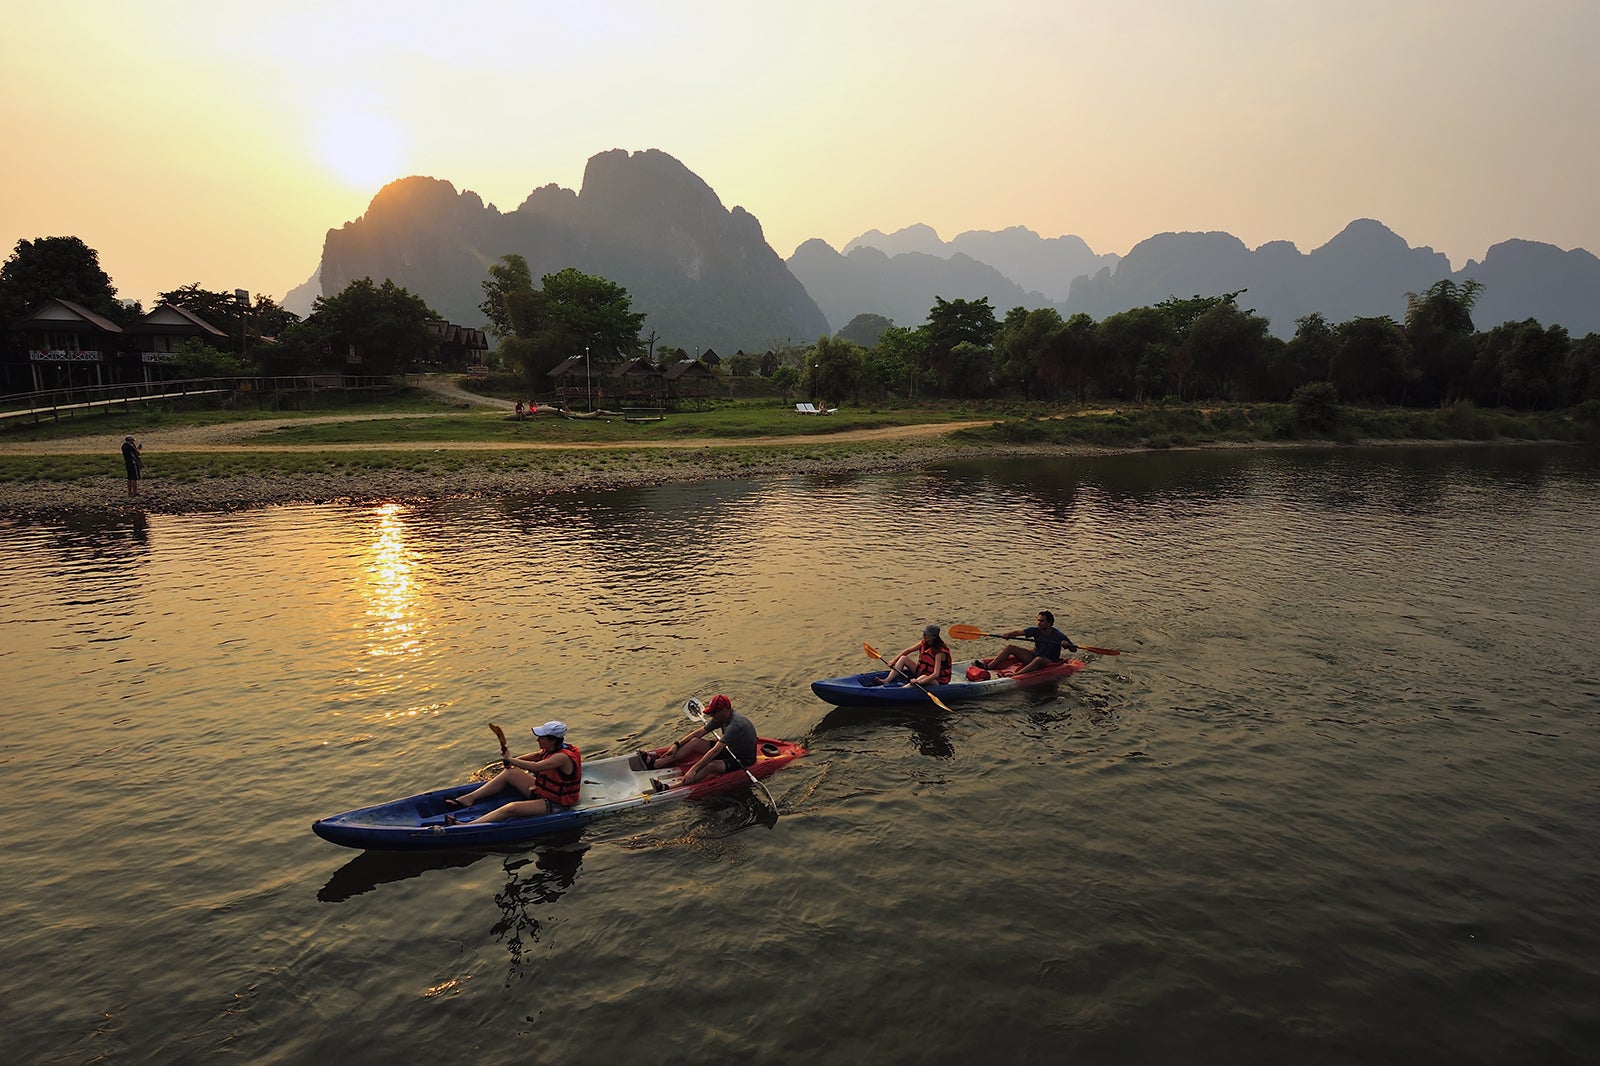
(624, 469)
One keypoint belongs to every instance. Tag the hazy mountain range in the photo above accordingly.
(705, 276)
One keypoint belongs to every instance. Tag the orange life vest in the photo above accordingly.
(561, 790)
(925, 661)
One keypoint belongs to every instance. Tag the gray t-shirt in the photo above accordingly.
(740, 736)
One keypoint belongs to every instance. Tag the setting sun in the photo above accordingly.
(360, 146)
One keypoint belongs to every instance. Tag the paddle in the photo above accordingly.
(870, 650)
(694, 710)
(974, 633)
(505, 752)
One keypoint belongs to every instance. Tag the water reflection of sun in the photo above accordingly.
(390, 587)
(394, 620)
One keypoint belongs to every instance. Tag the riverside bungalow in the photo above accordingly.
(158, 335)
(63, 345)
(688, 379)
(459, 346)
(638, 382)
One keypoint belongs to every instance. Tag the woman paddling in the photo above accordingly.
(547, 779)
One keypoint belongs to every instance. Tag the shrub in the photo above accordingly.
(1316, 405)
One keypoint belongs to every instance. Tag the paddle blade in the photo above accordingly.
(871, 651)
(940, 703)
(967, 632)
(694, 710)
(1099, 651)
(500, 734)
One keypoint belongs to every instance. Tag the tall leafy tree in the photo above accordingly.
(508, 278)
(952, 322)
(1227, 347)
(386, 326)
(840, 368)
(572, 313)
(1372, 361)
(1069, 359)
(895, 361)
(1523, 363)
(1019, 344)
(1125, 340)
(1580, 374)
(62, 268)
(1439, 330)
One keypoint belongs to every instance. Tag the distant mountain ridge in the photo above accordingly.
(703, 275)
(1364, 271)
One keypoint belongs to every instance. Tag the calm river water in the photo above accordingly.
(1338, 803)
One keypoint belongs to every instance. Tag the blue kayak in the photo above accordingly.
(866, 690)
(620, 783)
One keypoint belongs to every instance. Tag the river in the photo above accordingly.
(1337, 802)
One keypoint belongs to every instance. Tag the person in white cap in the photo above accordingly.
(547, 779)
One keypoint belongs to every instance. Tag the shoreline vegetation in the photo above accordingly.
(446, 444)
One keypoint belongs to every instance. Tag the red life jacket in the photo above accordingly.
(561, 790)
(925, 661)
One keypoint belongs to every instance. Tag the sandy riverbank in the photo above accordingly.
(427, 476)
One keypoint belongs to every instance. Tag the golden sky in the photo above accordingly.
(217, 142)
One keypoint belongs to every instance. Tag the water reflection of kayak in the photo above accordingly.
(864, 690)
(619, 783)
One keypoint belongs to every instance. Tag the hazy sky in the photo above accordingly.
(217, 142)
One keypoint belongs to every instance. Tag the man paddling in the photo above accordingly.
(1047, 644)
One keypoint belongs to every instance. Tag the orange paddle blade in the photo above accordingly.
(1099, 651)
(967, 632)
(871, 651)
(501, 734)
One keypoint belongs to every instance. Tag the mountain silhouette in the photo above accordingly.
(1366, 270)
(703, 275)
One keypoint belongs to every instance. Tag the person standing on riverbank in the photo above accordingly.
(133, 461)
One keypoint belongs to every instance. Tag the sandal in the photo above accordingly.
(649, 759)
(454, 804)
(450, 819)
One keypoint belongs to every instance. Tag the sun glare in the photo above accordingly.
(361, 147)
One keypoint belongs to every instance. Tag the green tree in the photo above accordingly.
(572, 314)
(840, 368)
(785, 379)
(61, 268)
(1069, 357)
(384, 326)
(1305, 358)
(952, 322)
(894, 362)
(193, 358)
(864, 330)
(1372, 361)
(1522, 364)
(1124, 339)
(1439, 330)
(1580, 374)
(1019, 345)
(508, 279)
(1226, 347)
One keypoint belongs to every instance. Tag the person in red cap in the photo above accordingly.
(705, 756)
(547, 779)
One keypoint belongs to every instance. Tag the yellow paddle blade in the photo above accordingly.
(870, 650)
